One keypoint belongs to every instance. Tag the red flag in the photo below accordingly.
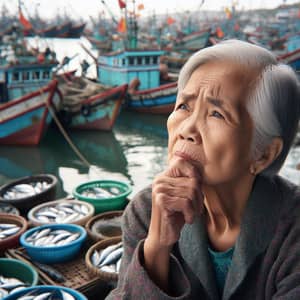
(219, 32)
(25, 23)
(122, 4)
(122, 25)
(170, 20)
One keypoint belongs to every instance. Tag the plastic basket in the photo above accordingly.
(43, 289)
(26, 203)
(54, 254)
(117, 202)
(13, 268)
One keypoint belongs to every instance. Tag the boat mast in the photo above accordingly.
(132, 29)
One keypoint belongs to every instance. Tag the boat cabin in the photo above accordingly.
(20, 79)
(122, 67)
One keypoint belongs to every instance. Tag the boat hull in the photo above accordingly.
(98, 112)
(24, 121)
(159, 100)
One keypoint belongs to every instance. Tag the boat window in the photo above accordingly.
(155, 60)
(16, 76)
(25, 75)
(131, 60)
(123, 61)
(147, 60)
(46, 75)
(139, 60)
(36, 75)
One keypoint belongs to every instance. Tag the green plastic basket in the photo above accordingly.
(117, 202)
(13, 268)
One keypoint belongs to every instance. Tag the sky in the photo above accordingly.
(86, 8)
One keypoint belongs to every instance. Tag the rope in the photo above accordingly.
(65, 135)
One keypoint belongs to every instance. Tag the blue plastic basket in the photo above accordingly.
(54, 254)
(45, 288)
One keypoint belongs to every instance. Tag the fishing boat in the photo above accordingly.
(291, 58)
(27, 92)
(24, 121)
(87, 104)
(193, 41)
(141, 70)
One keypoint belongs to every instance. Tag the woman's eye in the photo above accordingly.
(182, 106)
(216, 114)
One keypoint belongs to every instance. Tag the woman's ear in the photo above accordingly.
(270, 153)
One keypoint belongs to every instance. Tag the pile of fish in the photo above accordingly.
(108, 259)
(62, 212)
(101, 193)
(24, 190)
(107, 227)
(6, 208)
(51, 237)
(8, 229)
(41, 294)
(10, 285)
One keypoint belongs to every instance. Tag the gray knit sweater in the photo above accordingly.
(265, 263)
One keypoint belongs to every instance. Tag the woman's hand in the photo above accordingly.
(176, 200)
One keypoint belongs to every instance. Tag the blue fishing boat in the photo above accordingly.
(291, 58)
(140, 69)
(27, 92)
(86, 104)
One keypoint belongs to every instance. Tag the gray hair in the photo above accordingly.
(274, 104)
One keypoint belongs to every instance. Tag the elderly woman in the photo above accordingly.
(219, 223)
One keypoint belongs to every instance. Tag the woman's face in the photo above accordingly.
(210, 125)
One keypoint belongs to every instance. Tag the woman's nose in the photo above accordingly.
(190, 131)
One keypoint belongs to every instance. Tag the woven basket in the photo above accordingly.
(33, 221)
(95, 236)
(105, 276)
(75, 272)
(13, 240)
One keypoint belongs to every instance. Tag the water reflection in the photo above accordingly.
(13, 164)
(144, 142)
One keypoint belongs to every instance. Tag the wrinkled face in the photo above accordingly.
(210, 125)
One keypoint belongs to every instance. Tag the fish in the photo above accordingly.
(25, 190)
(112, 257)
(8, 229)
(61, 213)
(9, 285)
(108, 250)
(97, 193)
(7, 209)
(48, 237)
(38, 294)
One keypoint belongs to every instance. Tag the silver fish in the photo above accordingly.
(62, 213)
(10, 285)
(95, 258)
(25, 190)
(7, 230)
(52, 237)
(105, 252)
(109, 269)
(112, 257)
(97, 193)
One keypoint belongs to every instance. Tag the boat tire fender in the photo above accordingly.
(85, 110)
